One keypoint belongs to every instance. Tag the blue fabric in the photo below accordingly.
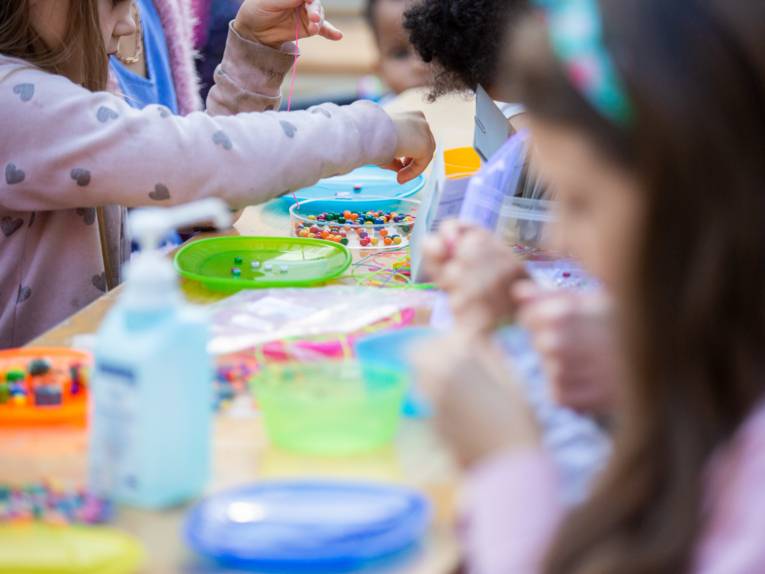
(158, 88)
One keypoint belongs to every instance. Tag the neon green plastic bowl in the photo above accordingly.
(280, 262)
(329, 407)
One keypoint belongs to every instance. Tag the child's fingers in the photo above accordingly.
(435, 254)
(545, 312)
(330, 32)
(412, 168)
(525, 292)
(393, 165)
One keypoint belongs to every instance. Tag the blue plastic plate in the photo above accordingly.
(307, 526)
(358, 185)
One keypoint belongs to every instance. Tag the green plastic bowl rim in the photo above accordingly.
(225, 282)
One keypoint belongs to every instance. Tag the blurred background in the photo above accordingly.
(333, 70)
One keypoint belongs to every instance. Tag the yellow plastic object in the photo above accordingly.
(461, 162)
(46, 549)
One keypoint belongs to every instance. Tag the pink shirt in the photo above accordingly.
(513, 507)
(65, 151)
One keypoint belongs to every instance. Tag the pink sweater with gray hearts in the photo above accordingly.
(65, 151)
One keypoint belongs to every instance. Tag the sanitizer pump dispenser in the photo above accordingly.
(151, 394)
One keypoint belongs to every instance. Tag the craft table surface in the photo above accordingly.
(241, 450)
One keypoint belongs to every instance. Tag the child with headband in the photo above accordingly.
(618, 95)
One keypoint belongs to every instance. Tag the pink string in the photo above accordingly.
(292, 81)
(294, 65)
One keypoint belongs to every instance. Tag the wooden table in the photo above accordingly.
(241, 451)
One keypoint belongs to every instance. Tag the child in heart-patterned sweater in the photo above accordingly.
(67, 150)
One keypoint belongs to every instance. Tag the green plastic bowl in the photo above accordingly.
(294, 262)
(329, 407)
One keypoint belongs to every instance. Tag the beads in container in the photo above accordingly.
(371, 224)
(41, 387)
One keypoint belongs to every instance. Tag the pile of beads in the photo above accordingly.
(41, 384)
(232, 376)
(369, 229)
(256, 267)
(41, 502)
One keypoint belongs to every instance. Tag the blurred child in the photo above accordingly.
(638, 165)
(72, 154)
(210, 36)
(398, 65)
(154, 64)
(572, 331)
(462, 40)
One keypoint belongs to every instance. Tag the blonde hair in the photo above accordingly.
(83, 43)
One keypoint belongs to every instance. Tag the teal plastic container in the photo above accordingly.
(391, 350)
(329, 407)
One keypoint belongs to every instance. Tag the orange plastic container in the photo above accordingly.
(73, 408)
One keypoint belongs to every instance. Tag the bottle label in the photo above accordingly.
(114, 461)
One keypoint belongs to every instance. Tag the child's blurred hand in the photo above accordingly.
(272, 22)
(477, 270)
(415, 145)
(574, 334)
(478, 408)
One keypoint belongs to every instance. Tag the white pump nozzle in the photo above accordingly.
(150, 225)
(151, 281)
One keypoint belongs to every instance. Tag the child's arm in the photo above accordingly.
(65, 147)
(512, 508)
(250, 76)
(513, 503)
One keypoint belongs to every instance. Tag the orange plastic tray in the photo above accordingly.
(72, 411)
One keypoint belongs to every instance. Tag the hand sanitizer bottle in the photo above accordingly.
(151, 394)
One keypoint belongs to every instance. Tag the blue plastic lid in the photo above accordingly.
(307, 526)
(361, 183)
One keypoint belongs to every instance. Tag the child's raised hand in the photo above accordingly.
(415, 145)
(574, 334)
(477, 270)
(479, 410)
(272, 22)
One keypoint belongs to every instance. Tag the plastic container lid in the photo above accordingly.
(47, 549)
(359, 184)
(261, 262)
(307, 526)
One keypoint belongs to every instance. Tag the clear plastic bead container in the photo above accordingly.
(368, 225)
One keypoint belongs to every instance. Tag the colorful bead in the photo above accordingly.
(238, 260)
(39, 367)
(48, 395)
(236, 272)
(15, 375)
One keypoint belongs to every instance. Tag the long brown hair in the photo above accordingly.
(695, 317)
(82, 45)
